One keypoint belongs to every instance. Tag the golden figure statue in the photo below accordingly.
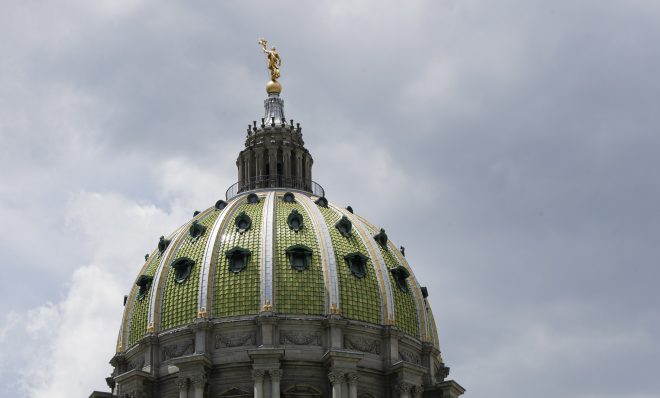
(274, 60)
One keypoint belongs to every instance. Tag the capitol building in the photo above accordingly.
(275, 291)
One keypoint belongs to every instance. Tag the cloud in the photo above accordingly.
(510, 147)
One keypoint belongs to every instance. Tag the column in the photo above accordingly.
(286, 164)
(199, 383)
(241, 173)
(336, 378)
(299, 173)
(182, 384)
(403, 389)
(259, 154)
(272, 162)
(275, 376)
(352, 379)
(258, 377)
(417, 391)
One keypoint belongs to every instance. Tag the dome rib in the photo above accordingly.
(132, 330)
(156, 300)
(327, 253)
(204, 300)
(379, 264)
(417, 290)
(266, 271)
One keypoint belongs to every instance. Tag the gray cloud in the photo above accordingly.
(510, 146)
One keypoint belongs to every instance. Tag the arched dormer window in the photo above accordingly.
(163, 243)
(196, 229)
(357, 264)
(401, 275)
(243, 222)
(182, 269)
(252, 198)
(295, 220)
(144, 283)
(220, 204)
(381, 238)
(288, 198)
(237, 259)
(300, 257)
(322, 201)
(344, 226)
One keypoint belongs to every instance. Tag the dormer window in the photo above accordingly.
(182, 269)
(381, 238)
(295, 220)
(357, 264)
(243, 222)
(252, 198)
(144, 283)
(344, 226)
(288, 198)
(300, 257)
(238, 259)
(401, 275)
(322, 201)
(221, 204)
(162, 244)
(196, 229)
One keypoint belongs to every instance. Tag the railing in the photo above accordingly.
(276, 181)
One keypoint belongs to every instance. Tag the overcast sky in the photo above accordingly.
(510, 146)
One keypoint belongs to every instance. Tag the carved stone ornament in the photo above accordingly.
(198, 380)
(371, 346)
(336, 377)
(177, 350)
(403, 387)
(410, 357)
(417, 391)
(352, 378)
(136, 363)
(235, 340)
(258, 374)
(299, 338)
(181, 383)
(144, 283)
(401, 275)
(275, 374)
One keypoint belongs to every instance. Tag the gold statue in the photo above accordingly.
(274, 60)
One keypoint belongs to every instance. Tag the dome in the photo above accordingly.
(277, 251)
(276, 292)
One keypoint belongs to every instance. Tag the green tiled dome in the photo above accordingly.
(297, 257)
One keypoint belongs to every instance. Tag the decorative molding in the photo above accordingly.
(417, 391)
(403, 387)
(181, 383)
(176, 350)
(235, 340)
(136, 363)
(300, 338)
(352, 378)
(258, 375)
(275, 374)
(336, 377)
(362, 344)
(410, 357)
(198, 380)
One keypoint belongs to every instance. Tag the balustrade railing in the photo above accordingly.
(274, 181)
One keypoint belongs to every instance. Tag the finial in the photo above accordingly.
(274, 62)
